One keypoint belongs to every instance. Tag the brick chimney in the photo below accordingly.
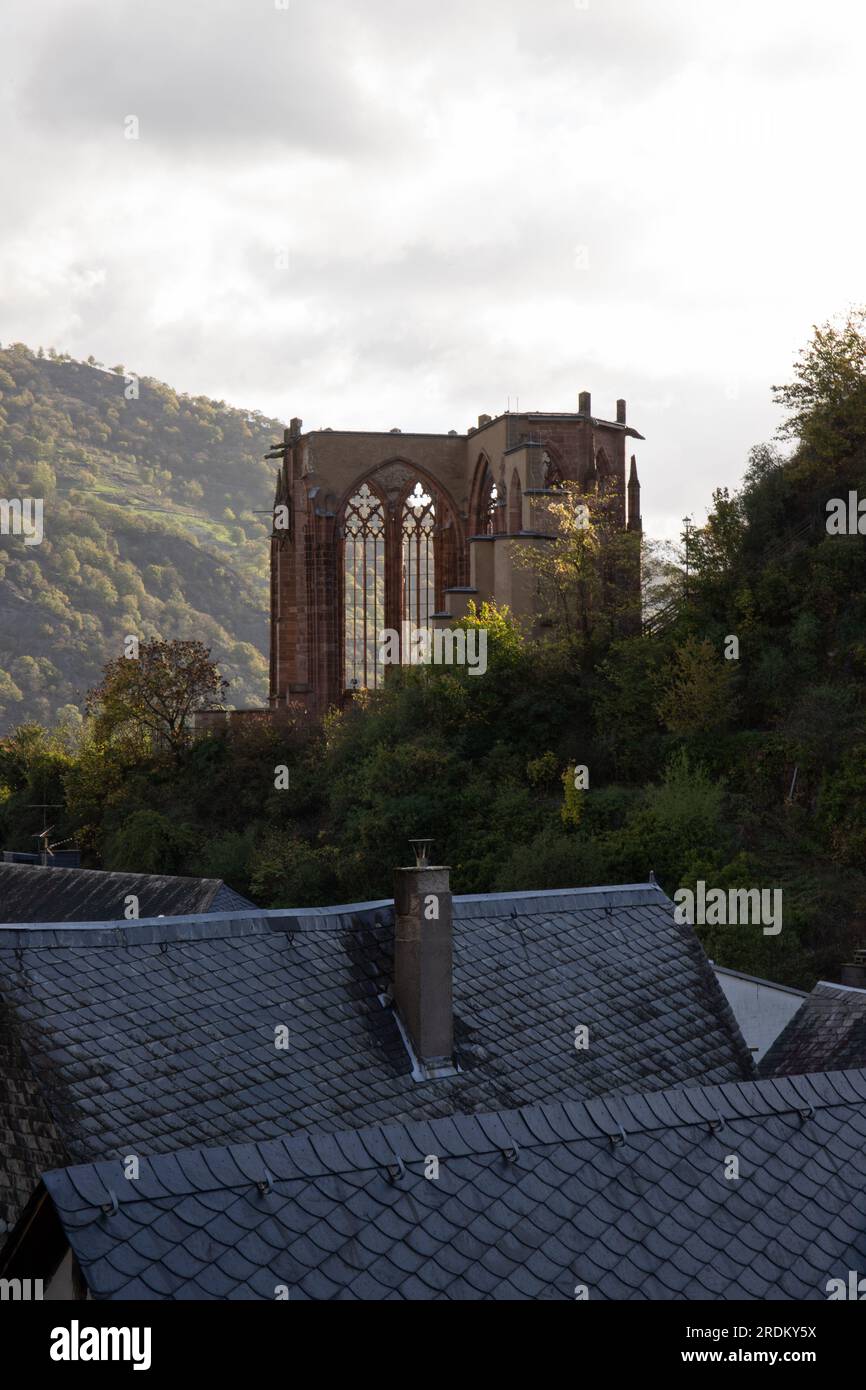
(422, 962)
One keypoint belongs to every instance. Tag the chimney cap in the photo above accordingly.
(422, 852)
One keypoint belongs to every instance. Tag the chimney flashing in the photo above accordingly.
(434, 1069)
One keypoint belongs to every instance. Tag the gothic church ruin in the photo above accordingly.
(376, 529)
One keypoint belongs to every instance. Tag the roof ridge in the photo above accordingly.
(466, 905)
(610, 1119)
(834, 984)
(61, 869)
(147, 931)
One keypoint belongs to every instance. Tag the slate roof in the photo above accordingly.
(30, 1138)
(627, 1196)
(150, 1037)
(35, 893)
(828, 1031)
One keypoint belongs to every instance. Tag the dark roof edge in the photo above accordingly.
(392, 434)
(611, 1119)
(758, 980)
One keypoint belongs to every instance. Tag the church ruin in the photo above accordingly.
(373, 530)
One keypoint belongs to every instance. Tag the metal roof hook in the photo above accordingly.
(396, 1170)
(807, 1114)
(617, 1140)
(265, 1184)
(110, 1208)
(715, 1125)
(511, 1154)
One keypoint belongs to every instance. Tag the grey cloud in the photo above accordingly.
(221, 77)
(203, 75)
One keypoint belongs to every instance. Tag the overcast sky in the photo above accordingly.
(392, 212)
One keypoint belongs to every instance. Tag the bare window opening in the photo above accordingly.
(489, 506)
(552, 473)
(515, 505)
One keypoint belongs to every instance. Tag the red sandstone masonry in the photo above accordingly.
(322, 469)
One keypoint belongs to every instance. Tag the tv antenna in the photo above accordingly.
(44, 807)
(46, 851)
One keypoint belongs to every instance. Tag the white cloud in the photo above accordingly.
(430, 171)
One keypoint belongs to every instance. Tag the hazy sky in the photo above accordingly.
(392, 212)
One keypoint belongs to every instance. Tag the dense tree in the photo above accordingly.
(580, 572)
(156, 687)
(699, 696)
(825, 404)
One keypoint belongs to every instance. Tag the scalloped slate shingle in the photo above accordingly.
(149, 1037)
(625, 1195)
(828, 1032)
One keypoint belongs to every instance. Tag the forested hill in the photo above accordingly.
(150, 526)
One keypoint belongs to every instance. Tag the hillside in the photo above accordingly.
(152, 524)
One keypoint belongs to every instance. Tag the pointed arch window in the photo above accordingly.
(401, 551)
(552, 473)
(364, 588)
(489, 505)
(515, 505)
(419, 566)
(602, 471)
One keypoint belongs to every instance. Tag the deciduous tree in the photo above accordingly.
(157, 691)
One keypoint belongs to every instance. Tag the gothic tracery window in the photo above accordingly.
(401, 552)
(419, 571)
(364, 588)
